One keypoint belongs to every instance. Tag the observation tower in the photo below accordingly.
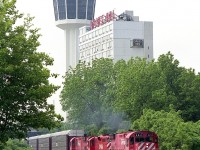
(70, 15)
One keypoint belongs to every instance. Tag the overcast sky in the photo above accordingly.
(176, 28)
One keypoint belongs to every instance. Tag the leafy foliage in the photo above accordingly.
(107, 96)
(24, 84)
(156, 85)
(16, 145)
(89, 103)
(173, 132)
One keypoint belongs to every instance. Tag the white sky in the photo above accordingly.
(176, 29)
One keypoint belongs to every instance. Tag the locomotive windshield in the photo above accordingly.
(144, 139)
(132, 140)
(149, 139)
(139, 139)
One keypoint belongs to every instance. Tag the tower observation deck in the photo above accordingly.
(70, 15)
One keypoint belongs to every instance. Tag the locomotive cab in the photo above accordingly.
(91, 143)
(73, 144)
(78, 143)
(141, 140)
(98, 143)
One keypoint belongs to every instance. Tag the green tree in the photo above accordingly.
(122, 90)
(134, 86)
(85, 93)
(16, 145)
(181, 87)
(24, 84)
(173, 132)
(156, 85)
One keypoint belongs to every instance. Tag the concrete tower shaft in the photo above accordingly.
(70, 15)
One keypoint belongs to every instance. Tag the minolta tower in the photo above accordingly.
(70, 15)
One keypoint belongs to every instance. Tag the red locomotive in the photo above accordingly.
(89, 143)
(131, 140)
(76, 140)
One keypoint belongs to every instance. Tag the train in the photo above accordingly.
(77, 140)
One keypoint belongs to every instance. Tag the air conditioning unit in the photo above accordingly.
(137, 43)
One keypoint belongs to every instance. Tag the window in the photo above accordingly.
(97, 41)
(131, 140)
(96, 33)
(96, 49)
(73, 143)
(108, 54)
(104, 30)
(84, 54)
(86, 38)
(81, 39)
(100, 40)
(61, 9)
(90, 35)
(87, 29)
(81, 31)
(87, 60)
(156, 140)
(88, 52)
(99, 47)
(100, 55)
(90, 44)
(103, 46)
(82, 9)
(81, 47)
(93, 34)
(149, 139)
(93, 50)
(104, 54)
(71, 9)
(139, 139)
(110, 44)
(107, 44)
(107, 28)
(107, 37)
(110, 27)
(90, 10)
(100, 31)
(110, 36)
(103, 39)
(93, 43)
(81, 54)
(55, 9)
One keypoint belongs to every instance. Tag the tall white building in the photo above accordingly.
(116, 37)
(70, 15)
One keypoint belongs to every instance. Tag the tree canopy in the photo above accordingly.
(156, 85)
(107, 95)
(24, 74)
(85, 94)
(16, 144)
(173, 132)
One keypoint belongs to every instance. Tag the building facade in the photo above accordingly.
(70, 15)
(116, 37)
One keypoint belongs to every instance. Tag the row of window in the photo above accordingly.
(96, 49)
(106, 54)
(95, 33)
(97, 41)
(60, 9)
